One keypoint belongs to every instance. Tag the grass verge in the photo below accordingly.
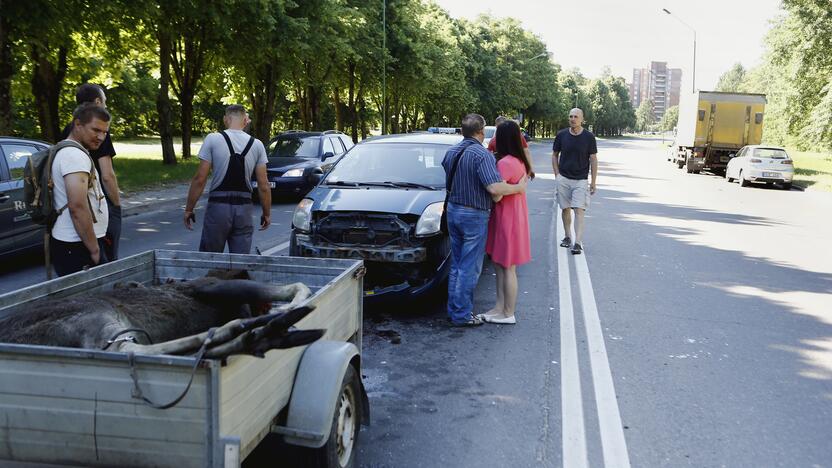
(138, 164)
(812, 171)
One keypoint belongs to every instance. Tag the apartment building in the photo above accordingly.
(658, 83)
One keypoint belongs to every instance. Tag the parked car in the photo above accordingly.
(17, 231)
(382, 202)
(297, 160)
(761, 164)
(489, 131)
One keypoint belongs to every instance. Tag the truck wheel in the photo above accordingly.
(339, 450)
(688, 169)
(680, 163)
(743, 182)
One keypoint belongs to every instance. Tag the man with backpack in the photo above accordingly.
(103, 159)
(233, 155)
(77, 197)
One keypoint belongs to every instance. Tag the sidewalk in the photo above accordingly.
(155, 199)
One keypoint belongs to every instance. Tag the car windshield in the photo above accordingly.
(772, 153)
(304, 147)
(490, 131)
(397, 163)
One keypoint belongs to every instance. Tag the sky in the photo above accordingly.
(627, 34)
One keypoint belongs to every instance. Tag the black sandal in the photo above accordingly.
(577, 249)
(566, 242)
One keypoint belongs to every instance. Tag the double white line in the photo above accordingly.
(613, 444)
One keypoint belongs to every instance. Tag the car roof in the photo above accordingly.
(430, 138)
(765, 147)
(24, 140)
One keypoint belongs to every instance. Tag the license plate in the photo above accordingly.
(771, 174)
(254, 184)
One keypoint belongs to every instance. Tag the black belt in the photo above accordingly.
(229, 199)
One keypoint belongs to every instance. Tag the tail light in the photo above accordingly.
(755, 160)
(787, 161)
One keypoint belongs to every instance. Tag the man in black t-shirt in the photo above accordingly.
(103, 160)
(574, 154)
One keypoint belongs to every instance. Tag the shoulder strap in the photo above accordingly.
(248, 146)
(228, 142)
(450, 180)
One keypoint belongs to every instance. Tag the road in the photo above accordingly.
(695, 331)
(711, 346)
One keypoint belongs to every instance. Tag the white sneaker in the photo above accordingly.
(500, 320)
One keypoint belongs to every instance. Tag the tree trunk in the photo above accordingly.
(339, 117)
(263, 97)
(186, 100)
(352, 113)
(6, 73)
(314, 108)
(47, 80)
(163, 101)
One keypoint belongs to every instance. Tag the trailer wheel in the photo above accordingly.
(339, 450)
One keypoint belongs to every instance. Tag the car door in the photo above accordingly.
(333, 146)
(16, 222)
(733, 165)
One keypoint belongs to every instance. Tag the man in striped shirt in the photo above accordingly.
(476, 185)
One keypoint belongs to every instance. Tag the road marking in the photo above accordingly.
(276, 248)
(613, 442)
(572, 405)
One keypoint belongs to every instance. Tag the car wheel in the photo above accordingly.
(743, 182)
(729, 179)
(339, 450)
(787, 186)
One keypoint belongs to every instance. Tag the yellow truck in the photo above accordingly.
(713, 126)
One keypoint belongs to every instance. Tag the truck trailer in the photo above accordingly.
(713, 126)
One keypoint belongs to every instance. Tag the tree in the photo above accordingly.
(732, 80)
(670, 119)
(644, 115)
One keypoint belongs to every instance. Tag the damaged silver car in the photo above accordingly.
(382, 202)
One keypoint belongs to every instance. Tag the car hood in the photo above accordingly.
(284, 164)
(380, 200)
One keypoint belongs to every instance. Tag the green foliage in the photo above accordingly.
(644, 115)
(313, 64)
(669, 119)
(732, 80)
(796, 76)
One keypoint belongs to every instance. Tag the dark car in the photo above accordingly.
(382, 202)
(297, 160)
(17, 231)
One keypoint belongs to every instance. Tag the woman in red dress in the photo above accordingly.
(508, 241)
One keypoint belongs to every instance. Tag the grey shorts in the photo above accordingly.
(572, 193)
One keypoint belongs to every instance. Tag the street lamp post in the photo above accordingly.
(693, 77)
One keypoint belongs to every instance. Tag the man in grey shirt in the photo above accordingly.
(234, 156)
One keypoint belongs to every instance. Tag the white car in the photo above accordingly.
(489, 131)
(761, 164)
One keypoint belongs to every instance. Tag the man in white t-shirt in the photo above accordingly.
(82, 223)
(233, 156)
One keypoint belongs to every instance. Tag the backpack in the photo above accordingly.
(38, 184)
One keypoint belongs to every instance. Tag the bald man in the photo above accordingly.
(574, 155)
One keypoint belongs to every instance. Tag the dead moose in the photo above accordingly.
(216, 316)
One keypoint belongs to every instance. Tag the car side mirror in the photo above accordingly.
(328, 155)
(316, 177)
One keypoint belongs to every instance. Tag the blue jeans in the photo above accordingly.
(468, 229)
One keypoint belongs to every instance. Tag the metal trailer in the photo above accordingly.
(80, 406)
(713, 126)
